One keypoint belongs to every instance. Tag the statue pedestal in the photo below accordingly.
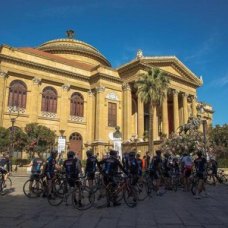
(117, 143)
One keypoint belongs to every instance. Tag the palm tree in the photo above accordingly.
(151, 89)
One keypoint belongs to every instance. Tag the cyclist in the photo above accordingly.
(90, 168)
(155, 170)
(4, 168)
(49, 170)
(125, 159)
(140, 164)
(166, 170)
(200, 167)
(109, 168)
(72, 168)
(214, 169)
(36, 164)
(186, 168)
(132, 167)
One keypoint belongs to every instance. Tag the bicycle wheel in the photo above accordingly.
(130, 196)
(33, 188)
(194, 186)
(142, 190)
(82, 198)
(57, 194)
(100, 197)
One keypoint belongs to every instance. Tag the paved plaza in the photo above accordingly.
(174, 209)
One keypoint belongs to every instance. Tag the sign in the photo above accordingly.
(61, 144)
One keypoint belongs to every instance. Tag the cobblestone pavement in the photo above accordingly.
(174, 209)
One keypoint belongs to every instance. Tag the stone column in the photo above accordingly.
(185, 106)
(127, 103)
(165, 126)
(175, 110)
(34, 110)
(194, 111)
(140, 116)
(100, 114)
(89, 119)
(64, 107)
(155, 123)
(2, 94)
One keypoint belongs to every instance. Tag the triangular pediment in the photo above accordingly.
(171, 65)
(174, 67)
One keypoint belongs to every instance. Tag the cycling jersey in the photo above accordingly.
(71, 167)
(140, 166)
(36, 165)
(200, 165)
(132, 166)
(91, 163)
(50, 166)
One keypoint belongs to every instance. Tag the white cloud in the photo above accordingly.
(206, 48)
(219, 82)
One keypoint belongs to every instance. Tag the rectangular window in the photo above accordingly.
(112, 114)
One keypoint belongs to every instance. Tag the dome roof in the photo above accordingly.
(75, 50)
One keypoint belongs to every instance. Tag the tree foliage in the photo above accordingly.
(178, 144)
(218, 137)
(4, 139)
(40, 138)
(151, 88)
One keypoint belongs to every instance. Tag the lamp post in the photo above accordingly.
(13, 113)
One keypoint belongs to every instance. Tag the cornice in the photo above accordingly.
(94, 78)
(44, 68)
(194, 80)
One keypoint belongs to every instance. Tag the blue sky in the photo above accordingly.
(196, 31)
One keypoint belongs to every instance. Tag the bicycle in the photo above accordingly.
(5, 184)
(115, 192)
(34, 186)
(81, 196)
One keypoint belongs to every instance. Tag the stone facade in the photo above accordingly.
(70, 66)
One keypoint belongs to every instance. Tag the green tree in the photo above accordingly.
(151, 89)
(4, 139)
(20, 139)
(40, 138)
(218, 137)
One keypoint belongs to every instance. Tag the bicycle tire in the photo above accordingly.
(82, 198)
(142, 190)
(130, 196)
(37, 189)
(57, 194)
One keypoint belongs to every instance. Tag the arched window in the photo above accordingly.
(17, 94)
(77, 105)
(49, 100)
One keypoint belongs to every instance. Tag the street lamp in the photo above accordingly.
(13, 113)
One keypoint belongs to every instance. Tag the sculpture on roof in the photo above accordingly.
(70, 34)
(139, 54)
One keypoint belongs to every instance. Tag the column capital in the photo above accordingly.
(66, 87)
(100, 89)
(36, 81)
(184, 94)
(175, 92)
(126, 86)
(3, 74)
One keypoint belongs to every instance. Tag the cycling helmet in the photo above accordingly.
(54, 152)
(70, 154)
(113, 153)
(89, 153)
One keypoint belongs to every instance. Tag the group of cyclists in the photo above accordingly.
(160, 167)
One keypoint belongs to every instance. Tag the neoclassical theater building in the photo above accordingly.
(70, 87)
